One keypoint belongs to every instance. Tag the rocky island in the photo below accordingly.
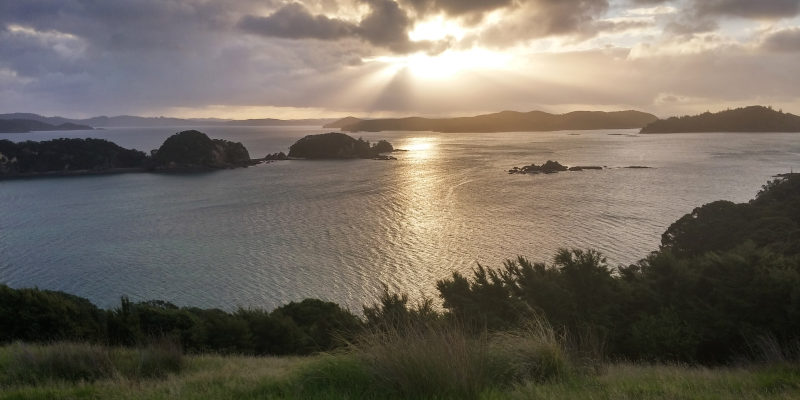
(552, 167)
(194, 150)
(335, 145)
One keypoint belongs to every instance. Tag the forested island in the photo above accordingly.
(505, 121)
(746, 119)
(335, 145)
(183, 151)
(20, 125)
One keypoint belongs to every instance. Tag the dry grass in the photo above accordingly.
(352, 376)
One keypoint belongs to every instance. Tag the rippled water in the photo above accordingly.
(266, 235)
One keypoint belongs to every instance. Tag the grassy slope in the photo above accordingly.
(215, 377)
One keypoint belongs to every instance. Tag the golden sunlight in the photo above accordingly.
(445, 65)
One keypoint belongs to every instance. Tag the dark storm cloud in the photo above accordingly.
(386, 25)
(787, 40)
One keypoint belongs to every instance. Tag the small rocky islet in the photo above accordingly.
(552, 167)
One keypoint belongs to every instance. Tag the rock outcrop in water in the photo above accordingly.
(552, 167)
(194, 150)
(335, 145)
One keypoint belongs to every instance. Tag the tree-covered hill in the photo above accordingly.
(747, 119)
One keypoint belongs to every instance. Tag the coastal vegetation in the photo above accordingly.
(65, 156)
(505, 121)
(746, 119)
(712, 313)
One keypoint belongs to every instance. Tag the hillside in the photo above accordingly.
(131, 121)
(746, 119)
(505, 121)
(20, 125)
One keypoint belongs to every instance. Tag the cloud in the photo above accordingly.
(770, 9)
(786, 40)
(472, 9)
(542, 18)
(293, 21)
(386, 25)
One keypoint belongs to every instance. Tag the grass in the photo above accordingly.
(356, 375)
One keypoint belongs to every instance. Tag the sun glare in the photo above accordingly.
(445, 65)
(436, 29)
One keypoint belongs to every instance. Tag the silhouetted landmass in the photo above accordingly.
(192, 149)
(29, 125)
(342, 123)
(134, 121)
(552, 167)
(335, 145)
(747, 119)
(183, 151)
(66, 156)
(506, 121)
(281, 156)
(723, 286)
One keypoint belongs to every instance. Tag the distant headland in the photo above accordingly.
(746, 119)
(21, 125)
(505, 121)
(135, 121)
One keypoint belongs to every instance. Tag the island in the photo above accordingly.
(335, 145)
(20, 125)
(194, 150)
(746, 119)
(185, 151)
(505, 121)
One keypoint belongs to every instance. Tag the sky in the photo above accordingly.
(378, 58)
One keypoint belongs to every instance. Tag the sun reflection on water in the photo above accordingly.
(419, 147)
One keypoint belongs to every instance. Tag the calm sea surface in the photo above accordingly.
(267, 235)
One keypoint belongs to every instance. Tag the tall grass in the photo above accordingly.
(62, 361)
(83, 362)
(441, 360)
